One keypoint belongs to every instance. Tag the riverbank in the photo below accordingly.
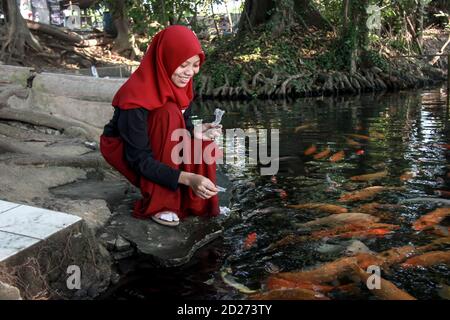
(297, 65)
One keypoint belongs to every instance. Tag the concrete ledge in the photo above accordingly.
(23, 226)
(37, 246)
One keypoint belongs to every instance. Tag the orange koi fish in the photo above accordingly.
(377, 135)
(312, 149)
(325, 207)
(352, 142)
(356, 231)
(387, 291)
(408, 175)
(274, 283)
(323, 154)
(366, 193)
(370, 176)
(338, 156)
(331, 271)
(374, 207)
(442, 193)
(358, 136)
(289, 294)
(303, 127)
(250, 241)
(430, 219)
(428, 259)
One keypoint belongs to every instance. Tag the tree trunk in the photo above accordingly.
(214, 19)
(17, 37)
(124, 40)
(355, 34)
(419, 33)
(230, 21)
(255, 12)
(282, 13)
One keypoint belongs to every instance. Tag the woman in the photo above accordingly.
(149, 107)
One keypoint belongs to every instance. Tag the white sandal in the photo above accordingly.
(167, 218)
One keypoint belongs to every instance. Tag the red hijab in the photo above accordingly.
(150, 86)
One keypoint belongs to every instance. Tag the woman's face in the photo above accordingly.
(186, 71)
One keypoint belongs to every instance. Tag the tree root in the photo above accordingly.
(49, 121)
(87, 161)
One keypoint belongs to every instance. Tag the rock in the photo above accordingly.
(111, 244)
(164, 245)
(8, 292)
(168, 246)
(95, 212)
(122, 244)
(123, 254)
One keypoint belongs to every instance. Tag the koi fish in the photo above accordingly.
(370, 233)
(428, 259)
(274, 283)
(341, 219)
(377, 135)
(360, 152)
(397, 255)
(312, 149)
(432, 218)
(303, 127)
(285, 241)
(358, 136)
(408, 175)
(356, 231)
(442, 193)
(366, 193)
(370, 176)
(352, 142)
(381, 210)
(331, 271)
(325, 207)
(250, 241)
(323, 154)
(387, 290)
(374, 207)
(231, 281)
(444, 146)
(441, 231)
(281, 193)
(289, 294)
(338, 156)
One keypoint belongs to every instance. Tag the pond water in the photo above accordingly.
(402, 137)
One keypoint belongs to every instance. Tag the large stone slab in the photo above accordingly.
(165, 246)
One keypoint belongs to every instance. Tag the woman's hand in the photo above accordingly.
(207, 131)
(202, 186)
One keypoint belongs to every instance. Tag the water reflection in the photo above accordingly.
(401, 137)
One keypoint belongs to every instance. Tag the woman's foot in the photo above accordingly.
(167, 218)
